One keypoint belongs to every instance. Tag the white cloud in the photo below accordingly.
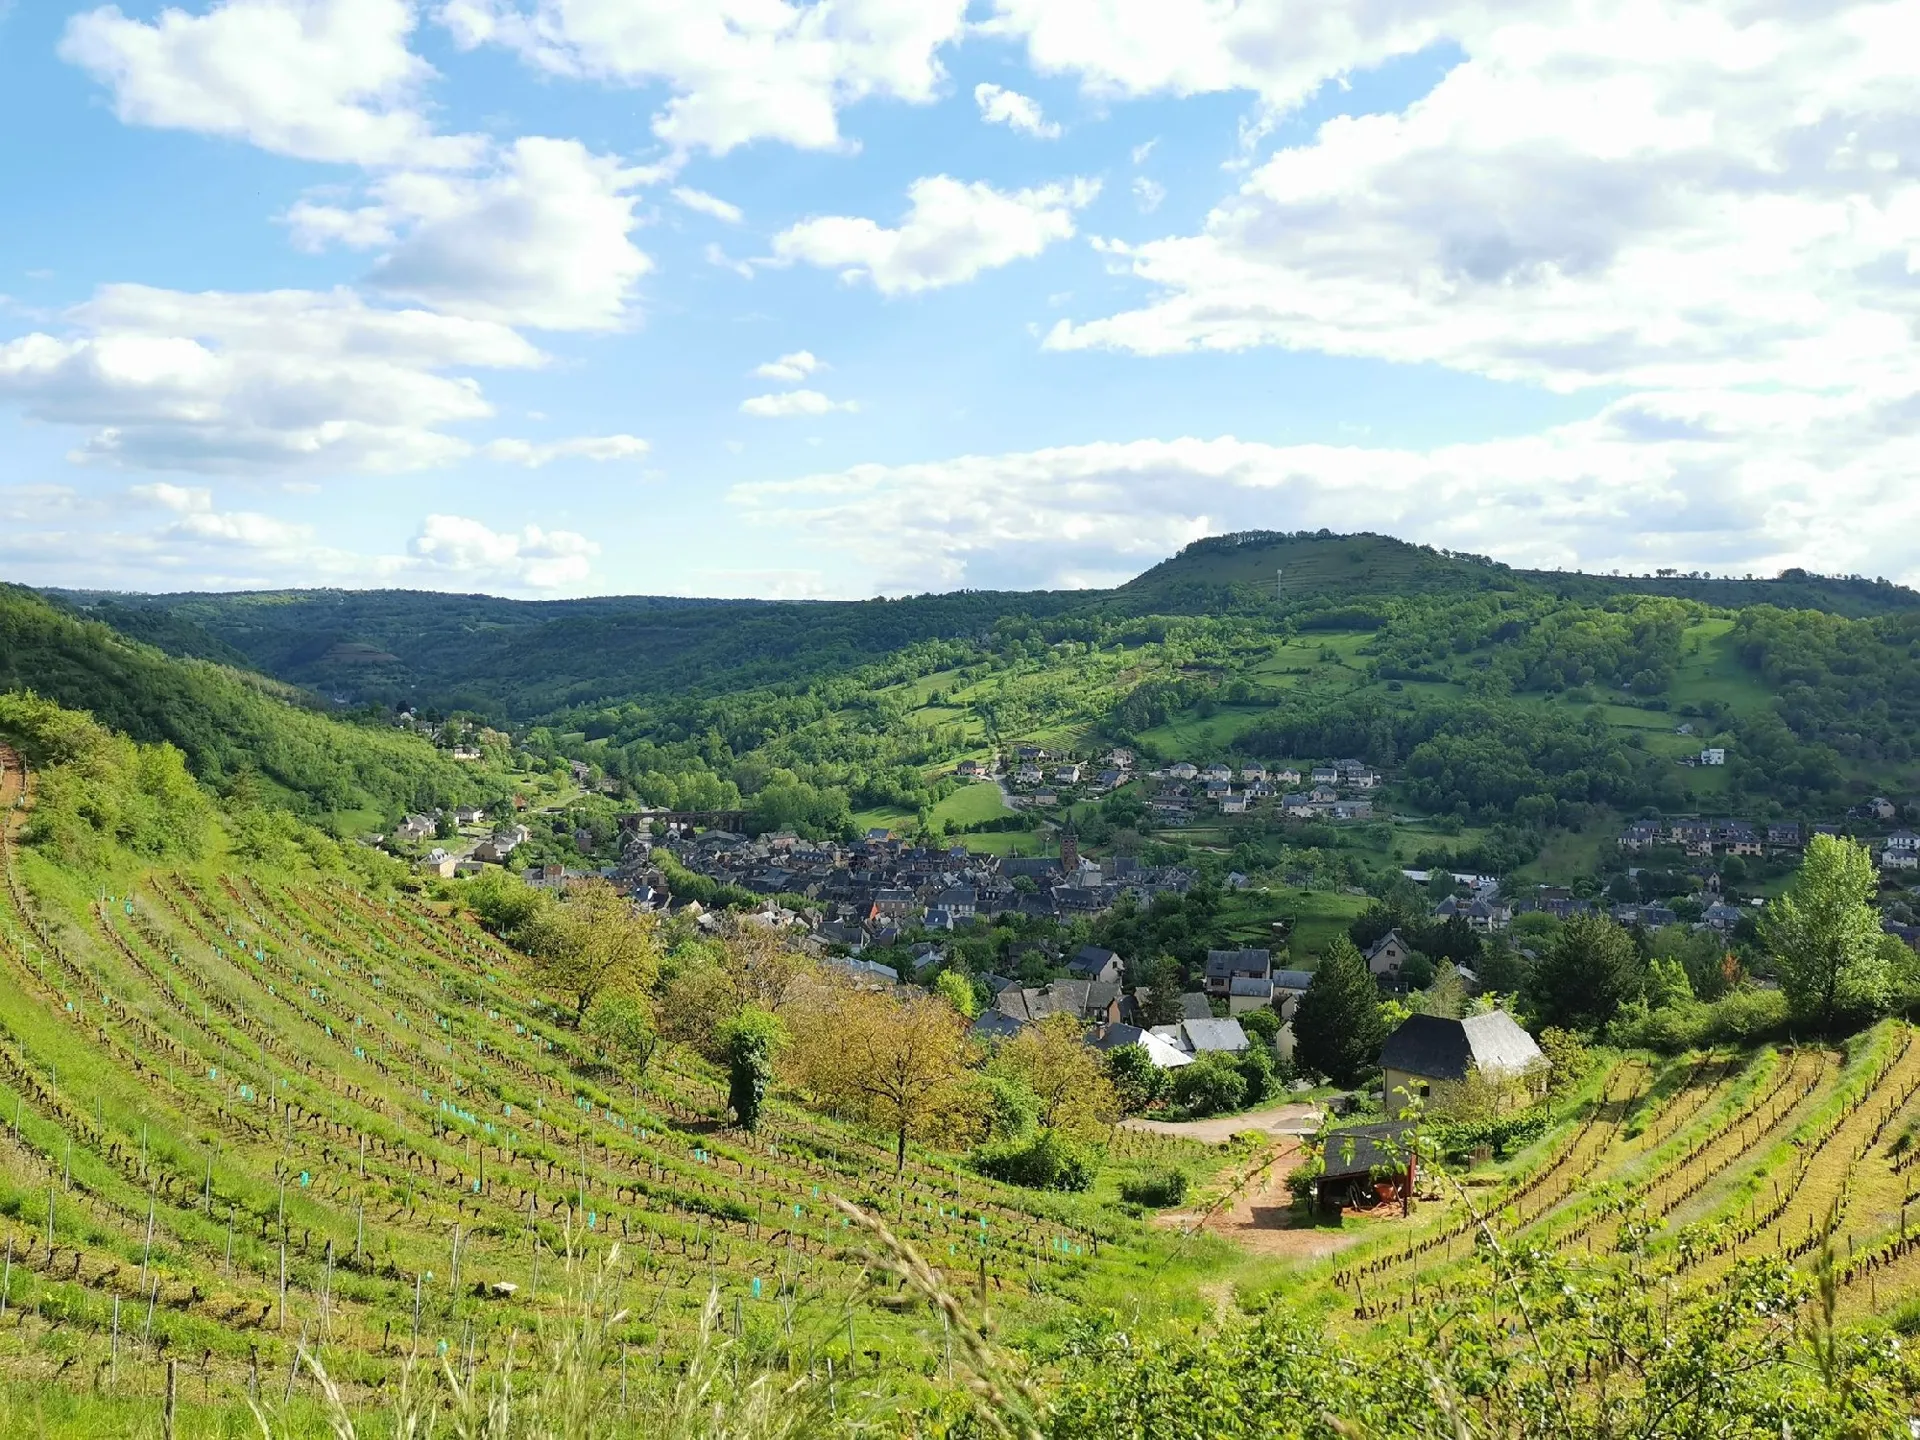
(1744, 483)
(1147, 194)
(315, 227)
(453, 546)
(328, 80)
(737, 70)
(245, 529)
(1141, 151)
(1282, 50)
(542, 240)
(952, 231)
(183, 499)
(790, 368)
(1632, 193)
(1015, 111)
(705, 204)
(715, 255)
(258, 383)
(789, 403)
(534, 455)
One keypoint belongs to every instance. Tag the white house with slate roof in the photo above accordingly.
(1201, 1037)
(1429, 1050)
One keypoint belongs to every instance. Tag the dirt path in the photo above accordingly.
(1294, 1117)
(1263, 1220)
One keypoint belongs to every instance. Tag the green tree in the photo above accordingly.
(1588, 972)
(957, 991)
(1824, 935)
(1262, 1024)
(1337, 1026)
(596, 941)
(751, 1039)
(1163, 992)
(623, 1027)
(1136, 1080)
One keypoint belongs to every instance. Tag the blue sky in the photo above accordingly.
(844, 297)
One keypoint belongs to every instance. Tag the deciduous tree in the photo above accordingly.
(1052, 1058)
(1825, 936)
(896, 1063)
(596, 941)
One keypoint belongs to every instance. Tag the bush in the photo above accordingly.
(1211, 1085)
(1504, 1134)
(1135, 1078)
(1157, 1189)
(1738, 1017)
(1043, 1161)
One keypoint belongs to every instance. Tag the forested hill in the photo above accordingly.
(521, 659)
(228, 722)
(524, 658)
(1541, 699)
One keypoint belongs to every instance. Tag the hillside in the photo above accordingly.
(259, 1111)
(270, 1105)
(519, 659)
(1518, 715)
(228, 722)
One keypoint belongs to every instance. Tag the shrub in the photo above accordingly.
(1156, 1189)
(1135, 1078)
(1738, 1017)
(1043, 1161)
(1211, 1085)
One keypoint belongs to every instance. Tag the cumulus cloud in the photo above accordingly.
(705, 204)
(1014, 110)
(736, 70)
(790, 368)
(328, 80)
(1281, 50)
(453, 546)
(1622, 194)
(535, 455)
(1147, 194)
(258, 383)
(543, 240)
(789, 403)
(183, 499)
(953, 230)
(1747, 482)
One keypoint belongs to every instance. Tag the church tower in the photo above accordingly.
(1069, 849)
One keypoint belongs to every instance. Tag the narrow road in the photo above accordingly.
(1293, 1117)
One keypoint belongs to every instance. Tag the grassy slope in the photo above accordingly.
(206, 1032)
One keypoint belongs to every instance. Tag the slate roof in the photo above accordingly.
(1292, 979)
(1224, 964)
(1194, 1006)
(1205, 1035)
(1440, 1049)
(1357, 1150)
(1163, 1052)
(1090, 960)
(1082, 999)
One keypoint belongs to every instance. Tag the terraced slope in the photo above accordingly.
(1684, 1167)
(241, 1111)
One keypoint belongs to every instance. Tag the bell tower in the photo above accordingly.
(1069, 849)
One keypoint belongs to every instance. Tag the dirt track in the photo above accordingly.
(1294, 1117)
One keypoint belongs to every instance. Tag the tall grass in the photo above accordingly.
(565, 1380)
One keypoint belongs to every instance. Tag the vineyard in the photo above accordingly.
(243, 1113)
(1680, 1168)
